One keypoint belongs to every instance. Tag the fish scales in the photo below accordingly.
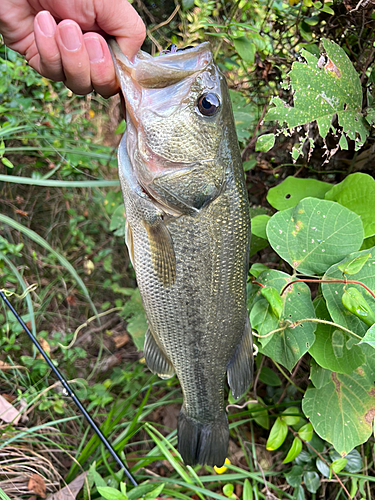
(188, 233)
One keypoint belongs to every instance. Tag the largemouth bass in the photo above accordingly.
(188, 235)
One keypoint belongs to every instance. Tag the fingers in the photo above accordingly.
(82, 62)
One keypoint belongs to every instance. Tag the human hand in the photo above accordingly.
(61, 51)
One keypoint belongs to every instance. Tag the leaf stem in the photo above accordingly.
(287, 377)
(328, 281)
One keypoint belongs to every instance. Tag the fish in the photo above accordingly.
(188, 235)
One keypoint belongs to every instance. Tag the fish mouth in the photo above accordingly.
(161, 71)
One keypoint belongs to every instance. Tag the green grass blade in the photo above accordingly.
(3, 495)
(57, 183)
(20, 280)
(42, 242)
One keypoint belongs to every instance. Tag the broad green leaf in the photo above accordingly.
(322, 467)
(338, 464)
(369, 337)
(258, 225)
(306, 432)
(312, 481)
(265, 142)
(357, 192)
(293, 190)
(314, 234)
(354, 302)
(319, 376)
(353, 266)
(294, 477)
(353, 461)
(137, 324)
(294, 451)
(290, 416)
(245, 49)
(333, 292)
(118, 219)
(321, 90)
(299, 493)
(269, 377)
(291, 342)
(277, 435)
(260, 414)
(228, 490)
(258, 268)
(249, 165)
(274, 299)
(7, 163)
(342, 411)
(330, 348)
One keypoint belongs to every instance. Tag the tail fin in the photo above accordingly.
(203, 443)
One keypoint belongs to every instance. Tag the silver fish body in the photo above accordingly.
(188, 234)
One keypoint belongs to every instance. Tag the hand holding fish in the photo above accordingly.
(62, 39)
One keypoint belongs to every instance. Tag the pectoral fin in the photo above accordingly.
(241, 367)
(155, 358)
(162, 252)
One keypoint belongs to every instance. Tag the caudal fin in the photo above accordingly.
(203, 443)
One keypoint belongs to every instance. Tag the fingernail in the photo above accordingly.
(46, 23)
(70, 36)
(94, 49)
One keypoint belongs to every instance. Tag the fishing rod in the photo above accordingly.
(71, 393)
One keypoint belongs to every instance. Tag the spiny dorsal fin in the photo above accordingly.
(155, 358)
(241, 366)
(162, 252)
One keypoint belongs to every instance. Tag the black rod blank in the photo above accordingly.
(71, 393)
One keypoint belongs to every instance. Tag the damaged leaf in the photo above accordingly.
(323, 88)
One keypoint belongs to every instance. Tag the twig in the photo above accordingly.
(164, 22)
(328, 281)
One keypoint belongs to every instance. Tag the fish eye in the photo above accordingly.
(208, 104)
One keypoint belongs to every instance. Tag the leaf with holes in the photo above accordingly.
(293, 190)
(343, 410)
(330, 349)
(291, 342)
(323, 88)
(314, 234)
(333, 292)
(357, 192)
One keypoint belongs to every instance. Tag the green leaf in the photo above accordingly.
(7, 163)
(312, 481)
(274, 300)
(249, 165)
(369, 337)
(258, 225)
(259, 414)
(137, 324)
(247, 491)
(306, 432)
(342, 410)
(269, 377)
(258, 268)
(322, 467)
(245, 49)
(321, 91)
(330, 349)
(265, 142)
(314, 234)
(353, 461)
(357, 192)
(299, 493)
(333, 292)
(118, 220)
(121, 127)
(353, 266)
(290, 416)
(291, 342)
(292, 190)
(327, 10)
(111, 493)
(318, 375)
(277, 435)
(294, 451)
(228, 490)
(294, 477)
(353, 300)
(338, 464)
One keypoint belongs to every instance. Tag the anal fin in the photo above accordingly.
(162, 252)
(155, 358)
(241, 366)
